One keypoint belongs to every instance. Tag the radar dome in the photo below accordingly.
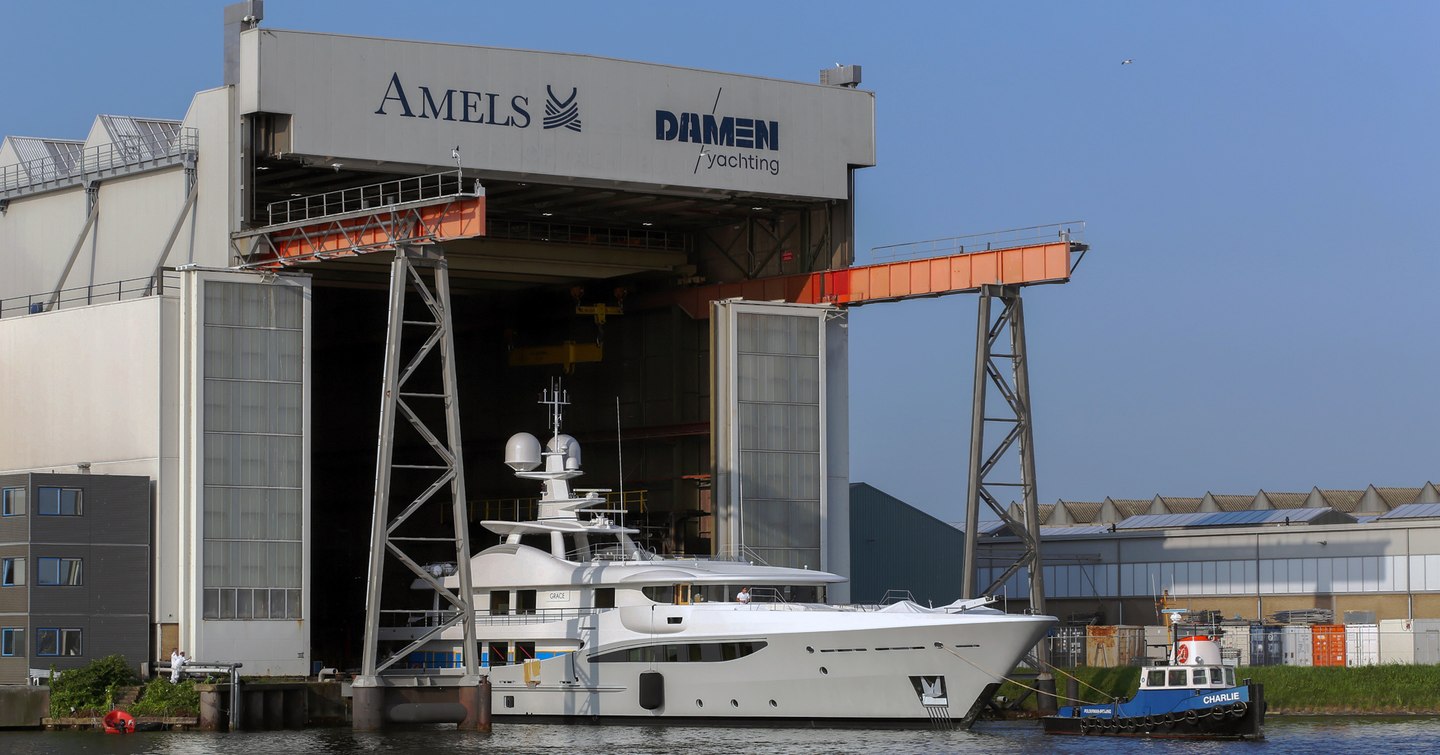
(570, 447)
(522, 452)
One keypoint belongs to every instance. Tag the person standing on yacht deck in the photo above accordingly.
(744, 596)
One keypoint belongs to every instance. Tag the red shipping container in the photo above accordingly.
(1328, 644)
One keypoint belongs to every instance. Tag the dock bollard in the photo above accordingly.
(211, 718)
(484, 712)
(1045, 694)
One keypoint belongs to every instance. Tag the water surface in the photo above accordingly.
(1318, 734)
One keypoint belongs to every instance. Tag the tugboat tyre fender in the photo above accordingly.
(1191, 716)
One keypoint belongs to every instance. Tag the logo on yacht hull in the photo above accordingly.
(930, 690)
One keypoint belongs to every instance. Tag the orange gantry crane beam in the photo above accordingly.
(962, 272)
(415, 211)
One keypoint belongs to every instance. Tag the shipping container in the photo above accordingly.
(1157, 644)
(1067, 647)
(1414, 641)
(1109, 646)
(1297, 647)
(1362, 644)
(1327, 645)
(1236, 638)
(1266, 645)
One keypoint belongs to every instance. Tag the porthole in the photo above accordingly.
(699, 703)
(809, 649)
(773, 704)
(824, 670)
(734, 703)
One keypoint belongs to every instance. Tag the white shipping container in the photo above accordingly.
(1414, 641)
(1297, 645)
(1237, 639)
(1157, 644)
(1362, 644)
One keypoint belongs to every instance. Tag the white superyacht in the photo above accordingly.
(576, 621)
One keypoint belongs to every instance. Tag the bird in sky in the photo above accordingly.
(1127, 61)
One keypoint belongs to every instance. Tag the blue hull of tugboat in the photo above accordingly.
(1234, 713)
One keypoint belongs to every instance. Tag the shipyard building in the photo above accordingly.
(1371, 554)
(153, 329)
(197, 366)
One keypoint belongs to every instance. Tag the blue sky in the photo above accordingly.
(1259, 185)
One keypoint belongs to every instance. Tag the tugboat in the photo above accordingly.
(1193, 697)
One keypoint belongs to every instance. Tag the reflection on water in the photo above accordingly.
(1285, 735)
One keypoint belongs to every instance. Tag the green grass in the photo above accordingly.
(1288, 689)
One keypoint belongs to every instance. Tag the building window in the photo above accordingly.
(12, 572)
(12, 641)
(12, 502)
(59, 571)
(59, 502)
(51, 642)
(243, 603)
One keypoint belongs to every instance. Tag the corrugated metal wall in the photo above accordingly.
(254, 452)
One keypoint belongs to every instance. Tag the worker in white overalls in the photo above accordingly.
(177, 662)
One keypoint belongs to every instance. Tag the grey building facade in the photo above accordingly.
(74, 571)
(895, 546)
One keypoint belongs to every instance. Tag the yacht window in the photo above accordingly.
(524, 651)
(499, 654)
(606, 547)
(803, 594)
(692, 652)
(1230, 676)
(1155, 678)
(1198, 676)
(659, 593)
(604, 597)
(524, 601)
(499, 602)
(1177, 677)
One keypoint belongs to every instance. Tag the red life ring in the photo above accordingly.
(119, 722)
(1182, 654)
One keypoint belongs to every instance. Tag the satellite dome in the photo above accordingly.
(522, 452)
(570, 447)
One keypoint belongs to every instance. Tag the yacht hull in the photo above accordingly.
(903, 669)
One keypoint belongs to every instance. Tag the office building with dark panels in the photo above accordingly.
(74, 571)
